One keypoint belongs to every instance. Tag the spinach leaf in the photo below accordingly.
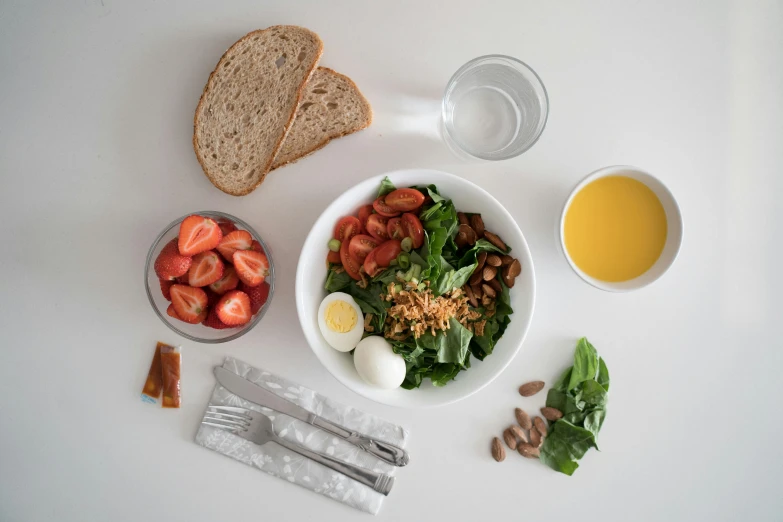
(585, 363)
(443, 373)
(581, 395)
(447, 281)
(481, 346)
(369, 299)
(431, 252)
(603, 374)
(450, 345)
(593, 393)
(565, 444)
(503, 304)
(387, 276)
(336, 282)
(594, 420)
(386, 187)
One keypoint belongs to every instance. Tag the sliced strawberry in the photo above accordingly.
(236, 240)
(234, 308)
(183, 280)
(256, 246)
(257, 294)
(228, 282)
(226, 226)
(165, 287)
(198, 234)
(171, 312)
(170, 264)
(189, 303)
(213, 321)
(252, 267)
(207, 268)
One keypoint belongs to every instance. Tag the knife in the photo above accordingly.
(258, 395)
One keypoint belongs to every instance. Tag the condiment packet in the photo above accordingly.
(163, 378)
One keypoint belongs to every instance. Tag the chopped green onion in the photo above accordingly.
(334, 245)
(403, 260)
(416, 270)
(407, 244)
(421, 287)
(394, 262)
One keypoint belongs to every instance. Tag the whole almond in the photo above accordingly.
(498, 453)
(470, 234)
(511, 271)
(510, 438)
(531, 388)
(463, 219)
(494, 260)
(551, 414)
(489, 291)
(523, 418)
(477, 291)
(476, 278)
(489, 273)
(495, 240)
(519, 433)
(481, 258)
(506, 260)
(461, 240)
(471, 296)
(495, 284)
(478, 224)
(526, 450)
(540, 426)
(535, 438)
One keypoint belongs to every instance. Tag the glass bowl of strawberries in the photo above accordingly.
(209, 277)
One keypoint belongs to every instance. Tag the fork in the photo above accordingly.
(257, 428)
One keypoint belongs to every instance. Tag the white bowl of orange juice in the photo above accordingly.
(620, 229)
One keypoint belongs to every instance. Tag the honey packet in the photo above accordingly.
(163, 379)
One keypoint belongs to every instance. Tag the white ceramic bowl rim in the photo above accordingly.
(674, 235)
(482, 372)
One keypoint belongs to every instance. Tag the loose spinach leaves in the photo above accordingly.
(581, 395)
(386, 187)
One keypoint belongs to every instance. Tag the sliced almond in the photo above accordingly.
(498, 453)
(531, 388)
(551, 414)
(523, 418)
(510, 438)
(495, 240)
(527, 450)
(489, 273)
(478, 224)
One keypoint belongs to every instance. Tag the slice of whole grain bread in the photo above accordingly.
(331, 107)
(249, 104)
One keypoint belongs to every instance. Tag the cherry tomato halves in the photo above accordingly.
(404, 199)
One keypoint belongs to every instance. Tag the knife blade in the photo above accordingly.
(254, 393)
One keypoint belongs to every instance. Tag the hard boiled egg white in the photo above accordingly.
(341, 321)
(377, 363)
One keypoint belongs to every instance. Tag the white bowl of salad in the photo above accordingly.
(415, 288)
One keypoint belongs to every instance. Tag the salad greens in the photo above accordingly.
(442, 356)
(580, 394)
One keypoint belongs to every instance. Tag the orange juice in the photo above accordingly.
(615, 229)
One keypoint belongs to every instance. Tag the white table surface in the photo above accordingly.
(96, 106)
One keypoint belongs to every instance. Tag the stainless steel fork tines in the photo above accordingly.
(228, 418)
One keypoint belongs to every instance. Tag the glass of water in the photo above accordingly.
(495, 107)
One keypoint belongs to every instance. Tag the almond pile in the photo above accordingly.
(484, 285)
(528, 436)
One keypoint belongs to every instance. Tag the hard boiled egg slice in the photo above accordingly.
(377, 363)
(341, 321)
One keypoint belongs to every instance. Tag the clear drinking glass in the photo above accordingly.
(495, 107)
